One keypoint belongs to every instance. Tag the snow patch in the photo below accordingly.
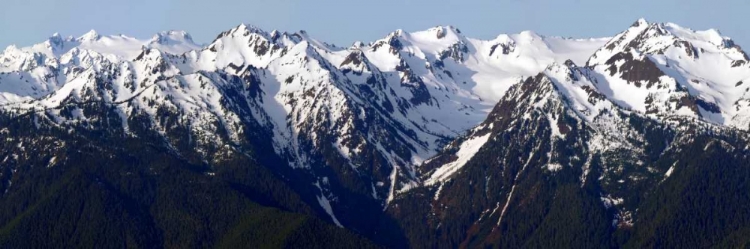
(326, 205)
(466, 151)
(554, 167)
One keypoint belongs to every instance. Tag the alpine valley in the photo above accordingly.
(428, 139)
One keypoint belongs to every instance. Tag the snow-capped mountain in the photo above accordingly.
(29, 73)
(555, 149)
(662, 69)
(399, 127)
(411, 85)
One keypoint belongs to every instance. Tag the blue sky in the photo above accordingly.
(25, 22)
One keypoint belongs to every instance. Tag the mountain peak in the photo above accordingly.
(56, 39)
(357, 45)
(640, 22)
(92, 35)
(275, 34)
(528, 36)
(396, 33)
(172, 37)
(245, 30)
(179, 33)
(658, 38)
(443, 31)
(711, 36)
(663, 69)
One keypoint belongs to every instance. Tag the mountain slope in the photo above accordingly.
(558, 165)
(396, 140)
(664, 69)
(108, 190)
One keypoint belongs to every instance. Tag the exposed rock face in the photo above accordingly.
(540, 158)
(425, 139)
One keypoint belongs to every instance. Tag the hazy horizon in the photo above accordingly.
(344, 22)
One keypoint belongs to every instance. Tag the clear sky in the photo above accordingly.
(24, 22)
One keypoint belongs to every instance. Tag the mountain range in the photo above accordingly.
(428, 139)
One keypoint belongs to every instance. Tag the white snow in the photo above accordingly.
(554, 167)
(52, 162)
(326, 205)
(670, 170)
(507, 204)
(303, 84)
(466, 151)
(701, 62)
(175, 42)
(323, 201)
